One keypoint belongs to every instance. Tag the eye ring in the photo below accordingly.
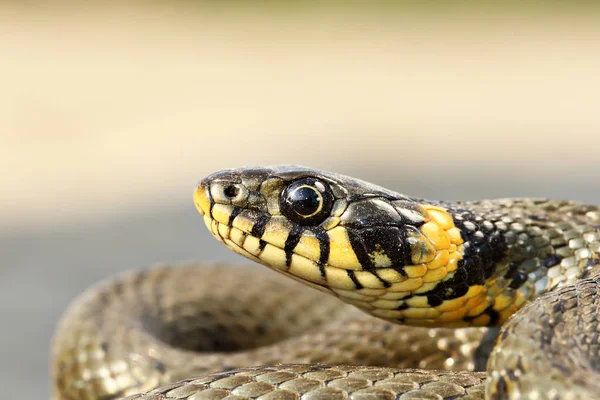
(306, 201)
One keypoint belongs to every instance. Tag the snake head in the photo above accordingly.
(377, 249)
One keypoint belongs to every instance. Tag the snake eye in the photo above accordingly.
(306, 201)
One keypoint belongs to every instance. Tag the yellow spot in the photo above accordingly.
(454, 235)
(421, 250)
(390, 275)
(407, 286)
(277, 231)
(221, 212)
(273, 257)
(436, 235)
(341, 254)
(435, 275)
(415, 271)
(252, 245)
(440, 260)
(417, 301)
(305, 269)
(309, 247)
(379, 258)
(338, 278)
(439, 216)
(451, 305)
(368, 280)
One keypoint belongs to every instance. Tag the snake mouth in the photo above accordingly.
(243, 243)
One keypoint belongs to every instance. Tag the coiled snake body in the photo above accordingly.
(439, 276)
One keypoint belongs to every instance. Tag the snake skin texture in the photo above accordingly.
(154, 327)
(290, 382)
(440, 278)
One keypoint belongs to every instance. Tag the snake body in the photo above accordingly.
(441, 277)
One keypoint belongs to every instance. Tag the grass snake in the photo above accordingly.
(493, 298)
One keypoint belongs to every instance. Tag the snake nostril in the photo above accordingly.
(231, 191)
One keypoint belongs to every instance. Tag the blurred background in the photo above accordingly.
(110, 113)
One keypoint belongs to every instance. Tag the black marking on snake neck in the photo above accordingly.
(390, 241)
(451, 288)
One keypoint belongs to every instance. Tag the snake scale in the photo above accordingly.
(494, 298)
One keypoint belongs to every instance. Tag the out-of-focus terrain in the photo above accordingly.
(110, 114)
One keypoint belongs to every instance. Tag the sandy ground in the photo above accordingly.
(109, 117)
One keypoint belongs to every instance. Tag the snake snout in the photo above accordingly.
(201, 198)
